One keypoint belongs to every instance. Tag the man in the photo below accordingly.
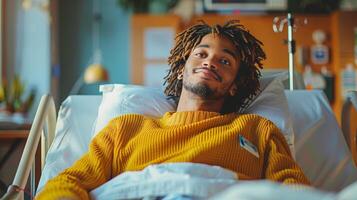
(214, 74)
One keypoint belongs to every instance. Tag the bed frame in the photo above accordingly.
(43, 127)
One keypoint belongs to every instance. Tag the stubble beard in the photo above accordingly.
(200, 89)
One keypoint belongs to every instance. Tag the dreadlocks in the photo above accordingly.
(249, 50)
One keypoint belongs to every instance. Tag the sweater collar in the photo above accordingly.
(187, 117)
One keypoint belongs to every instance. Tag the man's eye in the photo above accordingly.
(200, 55)
(225, 62)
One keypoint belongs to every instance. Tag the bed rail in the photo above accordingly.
(350, 136)
(43, 126)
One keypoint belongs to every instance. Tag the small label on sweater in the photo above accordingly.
(245, 144)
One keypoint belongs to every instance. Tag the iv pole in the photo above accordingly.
(291, 43)
(291, 49)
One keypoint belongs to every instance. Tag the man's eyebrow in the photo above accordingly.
(230, 53)
(203, 45)
(225, 50)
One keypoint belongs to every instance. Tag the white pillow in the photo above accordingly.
(120, 99)
(272, 104)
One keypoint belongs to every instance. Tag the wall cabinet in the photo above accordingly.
(149, 46)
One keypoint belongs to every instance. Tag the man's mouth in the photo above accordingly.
(208, 72)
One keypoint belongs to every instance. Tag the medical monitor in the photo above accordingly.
(246, 5)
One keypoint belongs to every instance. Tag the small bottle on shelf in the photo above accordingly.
(313, 80)
(349, 79)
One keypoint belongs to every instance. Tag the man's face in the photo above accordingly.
(211, 68)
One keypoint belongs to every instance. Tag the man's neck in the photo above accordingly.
(192, 102)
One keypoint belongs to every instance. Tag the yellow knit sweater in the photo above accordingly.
(132, 142)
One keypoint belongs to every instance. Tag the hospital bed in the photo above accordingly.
(321, 148)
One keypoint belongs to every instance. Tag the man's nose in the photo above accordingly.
(210, 63)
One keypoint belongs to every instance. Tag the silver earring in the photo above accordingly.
(233, 92)
(180, 77)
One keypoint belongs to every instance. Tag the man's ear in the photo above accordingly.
(233, 89)
(180, 74)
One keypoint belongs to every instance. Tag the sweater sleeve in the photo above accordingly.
(92, 170)
(280, 166)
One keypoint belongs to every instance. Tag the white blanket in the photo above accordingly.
(267, 190)
(189, 179)
(201, 181)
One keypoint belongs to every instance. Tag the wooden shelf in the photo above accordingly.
(14, 134)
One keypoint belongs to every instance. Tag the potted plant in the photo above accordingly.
(13, 99)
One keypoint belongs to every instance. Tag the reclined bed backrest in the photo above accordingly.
(321, 150)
